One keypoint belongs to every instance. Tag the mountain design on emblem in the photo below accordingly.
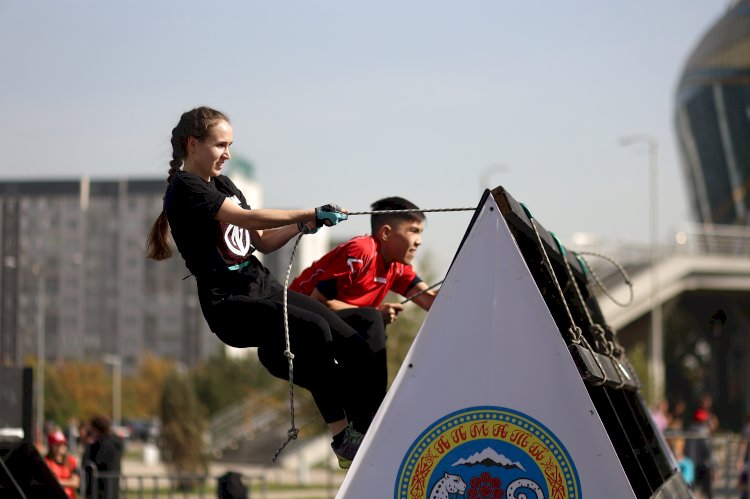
(488, 457)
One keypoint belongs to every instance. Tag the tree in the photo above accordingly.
(76, 389)
(221, 381)
(142, 392)
(60, 406)
(183, 425)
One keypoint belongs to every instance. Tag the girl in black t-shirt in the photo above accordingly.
(216, 232)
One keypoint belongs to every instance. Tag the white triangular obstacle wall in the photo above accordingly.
(488, 398)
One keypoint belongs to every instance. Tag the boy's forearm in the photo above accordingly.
(425, 300)
(339, 305)
(332, 304)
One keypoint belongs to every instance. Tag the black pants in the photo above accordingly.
(330, 358)
(703, 480)
(369, 325)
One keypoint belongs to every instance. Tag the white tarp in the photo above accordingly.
(488, 402)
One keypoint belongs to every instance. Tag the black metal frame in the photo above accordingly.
(638, 444)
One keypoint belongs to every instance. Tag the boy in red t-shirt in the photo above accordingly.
(62, 464)
(354, 278)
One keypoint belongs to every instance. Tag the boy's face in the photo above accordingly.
(400, 240)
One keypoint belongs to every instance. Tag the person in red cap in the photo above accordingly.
(62, 464)
(700, 415)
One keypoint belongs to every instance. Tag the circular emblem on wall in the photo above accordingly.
(487, 453)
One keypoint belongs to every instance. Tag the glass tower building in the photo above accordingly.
(713, 120)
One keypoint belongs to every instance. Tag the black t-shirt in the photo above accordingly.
(218, 254)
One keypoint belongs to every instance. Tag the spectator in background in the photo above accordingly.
(677, 413)
(660, 415)
(230, 486)
(62, 464)
(104, 453)
(706, 403)
(698, 449)
(687, 467)
(72, 434)
(743, 460)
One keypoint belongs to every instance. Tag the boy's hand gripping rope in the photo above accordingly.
(294, 431)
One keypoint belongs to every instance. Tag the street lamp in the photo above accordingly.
(656, 363)
(488, 171)
(38, 271)
(116, 362)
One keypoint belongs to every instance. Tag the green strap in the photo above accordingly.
(239, 265)
(526, 210)
(582, 263)
(563, 251)
(560, 247)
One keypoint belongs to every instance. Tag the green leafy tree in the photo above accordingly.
(59, 405)
(80, 390)
(221, 381)
(76, 390)
(141, 394)
(182, 428)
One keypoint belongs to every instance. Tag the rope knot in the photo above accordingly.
(291, 435)
(576, 333)
(288, 354)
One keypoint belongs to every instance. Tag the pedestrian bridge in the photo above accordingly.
(702, 283)
(675, 274)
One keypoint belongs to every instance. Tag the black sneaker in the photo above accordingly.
(349, 447)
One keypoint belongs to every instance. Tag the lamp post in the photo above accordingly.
(656, 361)
(488, 171)
(116, 362)
(38, 271)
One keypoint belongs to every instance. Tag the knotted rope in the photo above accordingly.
(598, 281)
(294, 431)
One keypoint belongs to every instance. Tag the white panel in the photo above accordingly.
(489, 358)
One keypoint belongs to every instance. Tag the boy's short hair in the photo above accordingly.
(377, 220)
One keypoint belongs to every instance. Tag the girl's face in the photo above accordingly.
(207, 156)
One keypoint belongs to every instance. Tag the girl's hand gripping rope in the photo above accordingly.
(306, 228)
(329, 214)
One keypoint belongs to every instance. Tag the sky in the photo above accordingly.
(350, 101)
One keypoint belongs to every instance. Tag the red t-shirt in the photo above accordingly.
(361, 274)
(64, 471)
